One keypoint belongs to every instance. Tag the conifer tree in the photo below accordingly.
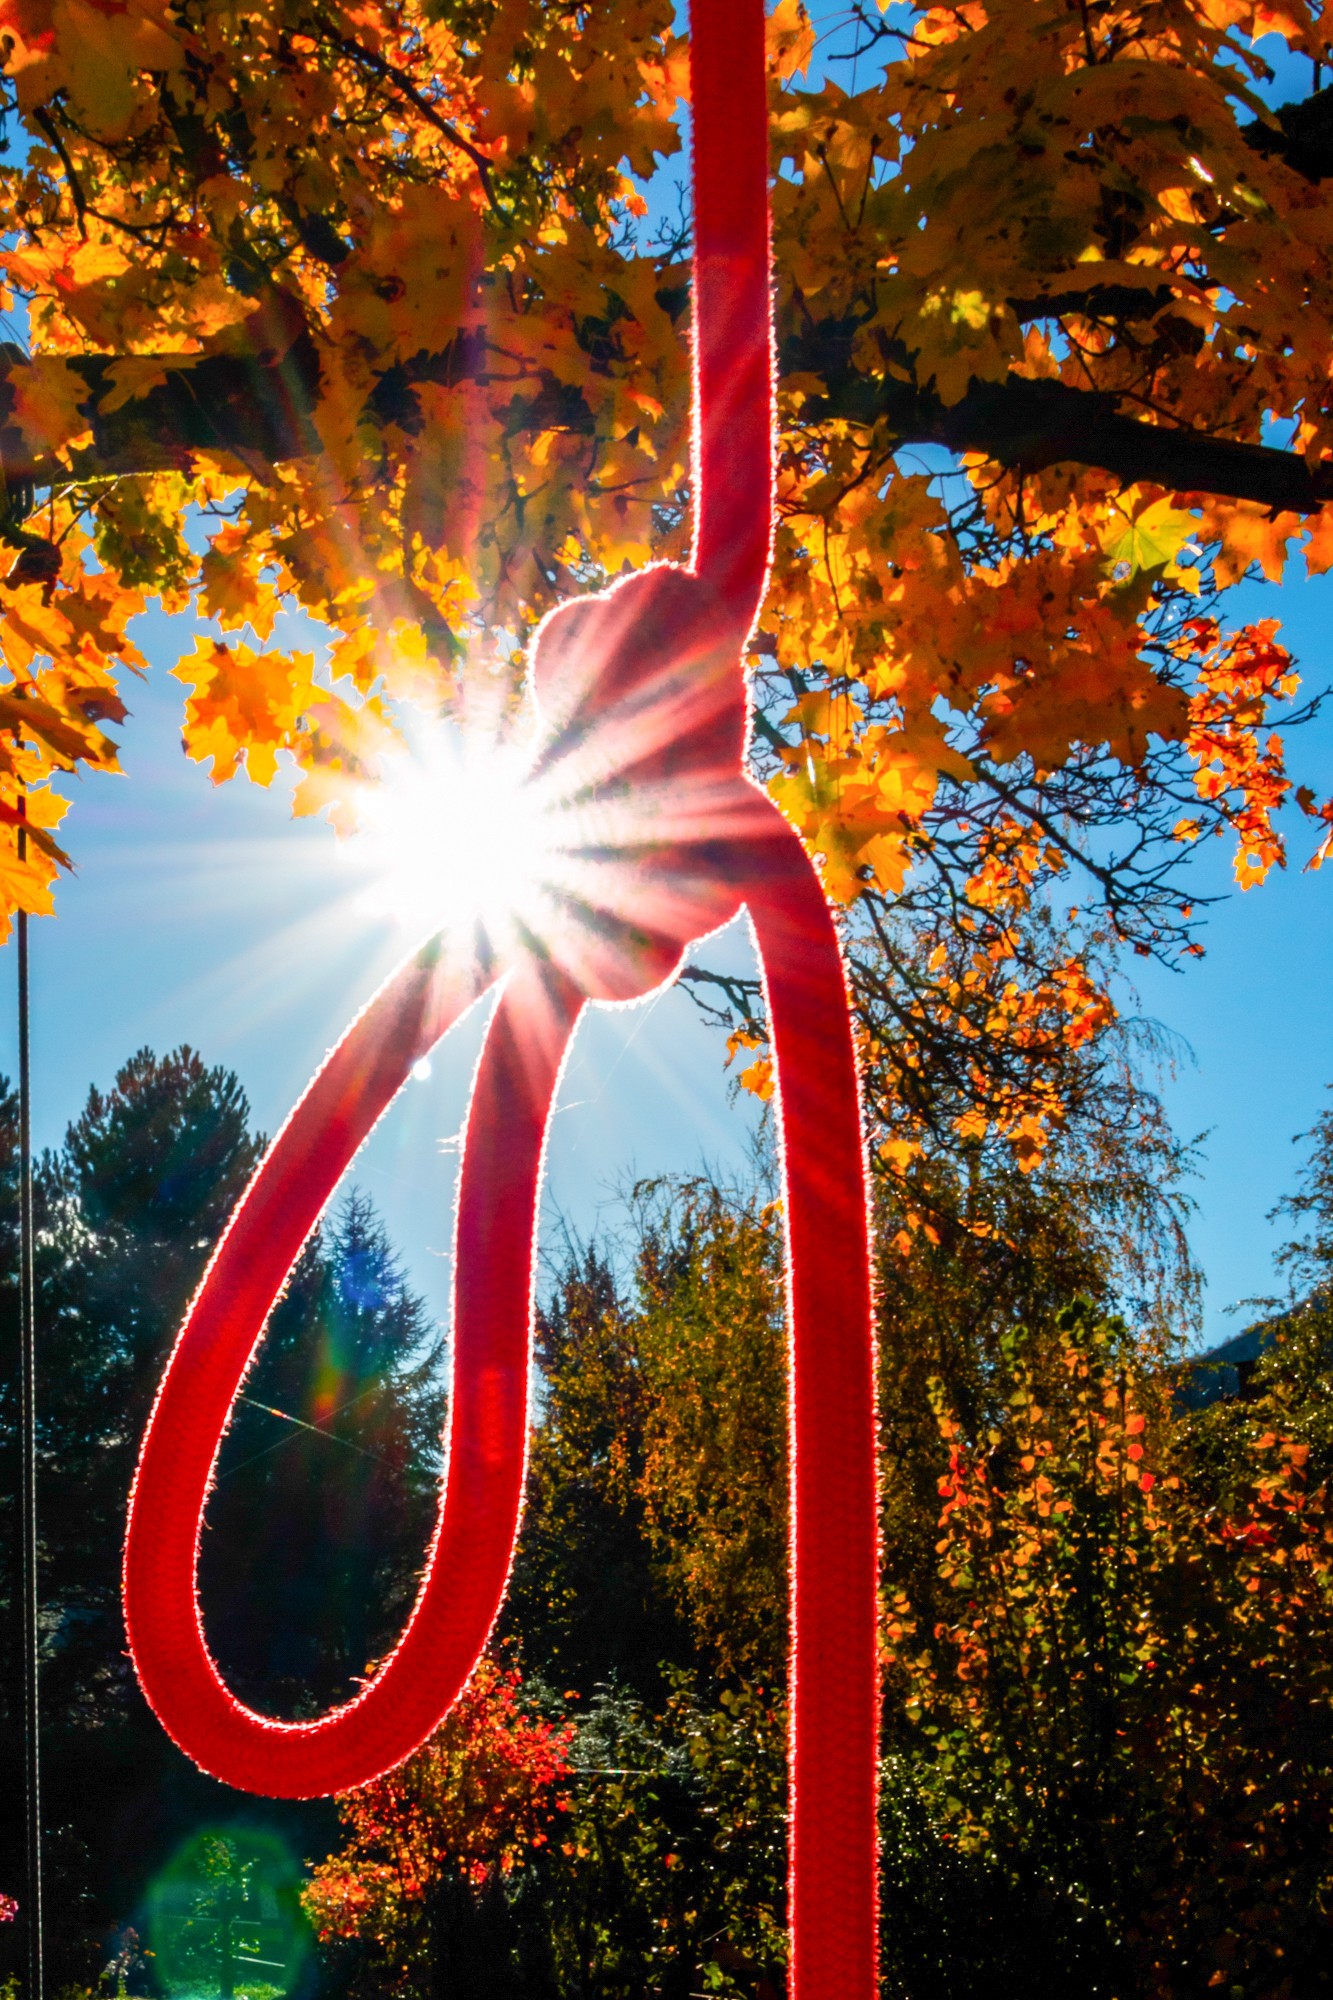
(319, 1522)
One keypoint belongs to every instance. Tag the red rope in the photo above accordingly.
(468, 1564)
(643, 707)
(834, 1682)
(733, 343)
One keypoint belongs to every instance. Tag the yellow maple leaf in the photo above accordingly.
(132, 378)
(24, 885)
(244, 706)
(105, 49)
(50, 400)
(232, 590)
(791, 39)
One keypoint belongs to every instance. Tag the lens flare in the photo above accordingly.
(224, 1916)
(455, 836)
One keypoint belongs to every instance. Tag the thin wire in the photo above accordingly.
(28, 1453)
(316, 1430)
(332, 1436)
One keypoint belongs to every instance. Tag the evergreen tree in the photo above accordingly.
(586, 1599)
(321, 1513)
(128, 1210)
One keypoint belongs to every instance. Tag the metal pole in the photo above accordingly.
(28, 1454)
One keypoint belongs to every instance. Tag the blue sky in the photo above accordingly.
(1255, 1015)
(207, 915)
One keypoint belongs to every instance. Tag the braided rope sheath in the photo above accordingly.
(468, 1565)
(642, 697)
(834, 1680)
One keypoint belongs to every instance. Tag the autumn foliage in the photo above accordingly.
(1108, 1727)
(1116, 1657)
(360, 332)
(1107, 1597)
(471, 1803)
(378, 314)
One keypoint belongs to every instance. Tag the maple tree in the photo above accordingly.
(357, 307)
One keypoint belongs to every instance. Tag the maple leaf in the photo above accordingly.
(791, 38)
(49, 404)
(1248, 534)
(245, 706)
(231, 589)
(407, 343)
(1318, 550)
(132, 378)
(1151, 538)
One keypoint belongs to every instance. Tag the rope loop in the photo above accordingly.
(642, 703)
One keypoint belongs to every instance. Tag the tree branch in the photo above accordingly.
(1032, 424)
(1303, 135)
(259, 406)
(1027, 424)
(404, 85)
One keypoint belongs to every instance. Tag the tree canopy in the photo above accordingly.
(1106, 1603)
(1107, 1581)
(379, 311)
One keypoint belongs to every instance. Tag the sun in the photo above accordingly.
(455, 836)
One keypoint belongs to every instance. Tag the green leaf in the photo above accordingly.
(1152, 539)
